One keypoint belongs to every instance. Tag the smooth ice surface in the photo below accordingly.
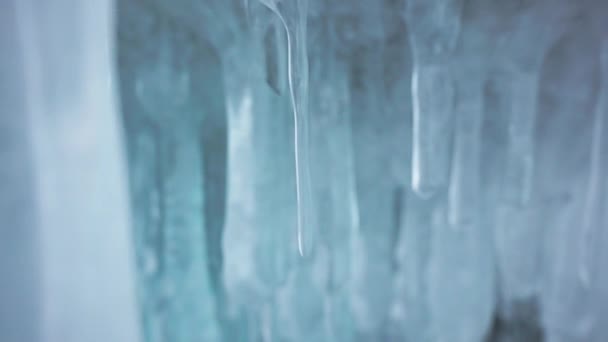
(304, 170)
(65, 215)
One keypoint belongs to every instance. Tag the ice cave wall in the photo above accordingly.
(304, 170)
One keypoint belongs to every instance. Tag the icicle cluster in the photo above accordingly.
(304, 170)
(428, 170)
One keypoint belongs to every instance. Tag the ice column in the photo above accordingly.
(461, 279)
(240, 238)
(163, 124)
(520, 63)
(379, 158)
(434, 27)
(82, 210)
(333, 175)
(261, 247)
(564, 187)
(410, 309)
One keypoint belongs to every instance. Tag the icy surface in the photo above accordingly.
(304, 170)
(67, 271)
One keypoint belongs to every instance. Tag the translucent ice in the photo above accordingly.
(434, 27)
(292, 15)
(303, 170)
(69, 224)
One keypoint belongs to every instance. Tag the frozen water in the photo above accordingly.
(67, 273)
(304, 170)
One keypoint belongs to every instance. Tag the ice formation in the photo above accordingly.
(304, 170)
(66, 247)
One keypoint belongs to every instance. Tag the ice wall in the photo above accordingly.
(396, 170)
(303, 170)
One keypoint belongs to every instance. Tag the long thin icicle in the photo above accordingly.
(297, 74)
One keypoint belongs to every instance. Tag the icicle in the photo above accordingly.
(464, 188)
(432, 96)
(374, 135)
(565, 299)
(333, 175)
(260, 210)
(434, 27)
(518, 239)
(240, 237)
(460, 266)
(272, 174)
(292, 14)
(411, 307)
(594, 200)
(345, 222)
(518, 271)
(168, 185)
